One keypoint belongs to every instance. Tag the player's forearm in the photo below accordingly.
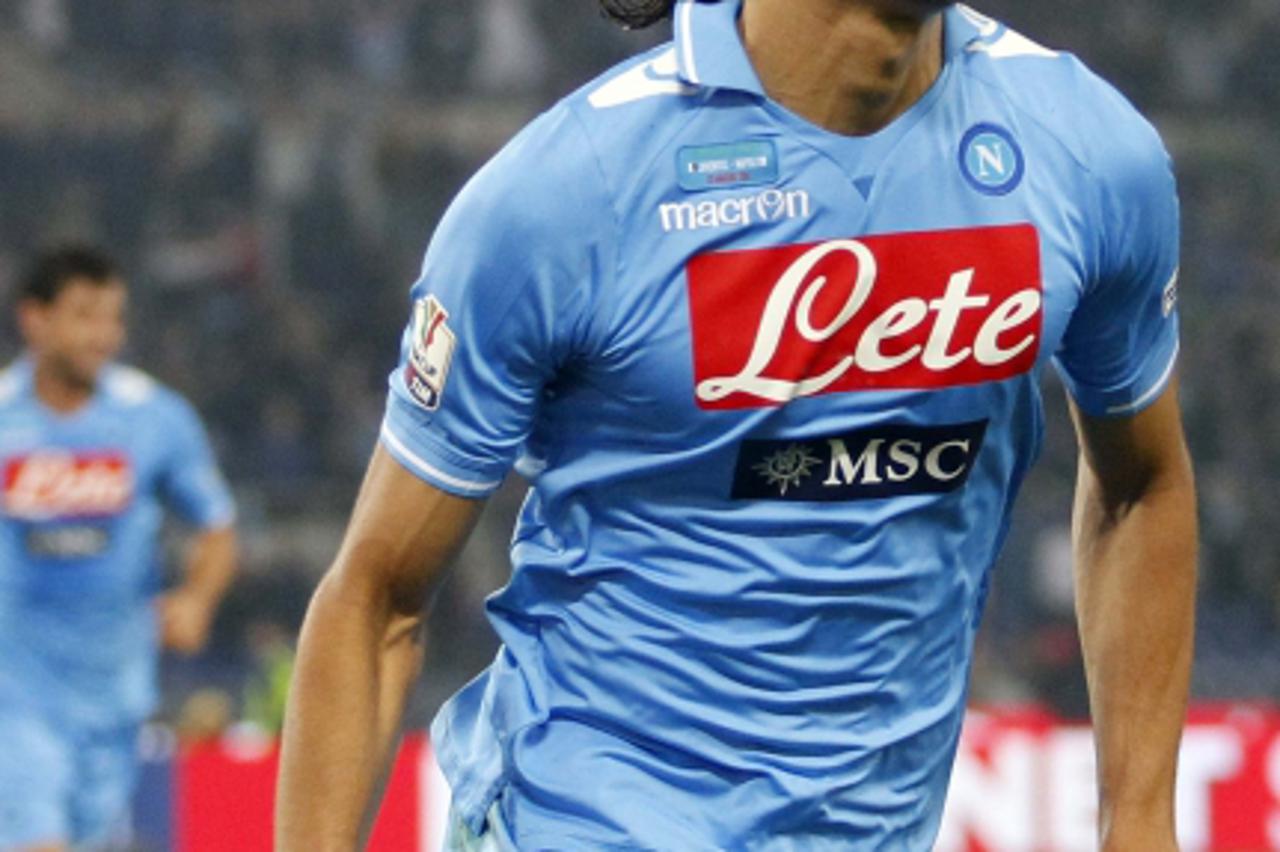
(1136, 580)
(211, 565)
(357, 660)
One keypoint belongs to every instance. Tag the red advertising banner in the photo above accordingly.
(1023, 782)
(226, 793)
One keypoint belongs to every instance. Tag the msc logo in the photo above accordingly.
(991, 159)
(885, 461)
(772, 205)
(75, 541)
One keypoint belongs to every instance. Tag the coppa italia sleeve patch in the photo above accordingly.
(431, 345)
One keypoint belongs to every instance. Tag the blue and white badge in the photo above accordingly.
(704, 167)
(991, 159)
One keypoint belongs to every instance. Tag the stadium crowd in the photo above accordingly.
(269, 173)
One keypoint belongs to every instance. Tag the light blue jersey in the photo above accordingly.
(82, 504)
(775, 390)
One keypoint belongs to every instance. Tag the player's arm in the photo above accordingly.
(1135, 538)
(508, 292)
(186, 612)
(360, 652)
(193, 487)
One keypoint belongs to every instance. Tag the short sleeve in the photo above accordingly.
(1121, 344)
(190, 483)
(503, 303)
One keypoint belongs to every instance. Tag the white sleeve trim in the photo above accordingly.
(1155, 390)
(430, 470)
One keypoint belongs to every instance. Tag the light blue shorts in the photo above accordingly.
(61, 785)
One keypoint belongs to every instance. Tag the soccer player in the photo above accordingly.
(762, 316)
(90, 453)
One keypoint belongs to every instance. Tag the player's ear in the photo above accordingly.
(32, 316)
(636, 14)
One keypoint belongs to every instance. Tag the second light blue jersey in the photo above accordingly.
(775, 390)
(80, 517)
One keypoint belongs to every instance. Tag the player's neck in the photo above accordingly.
(845, 65)
(57, 389)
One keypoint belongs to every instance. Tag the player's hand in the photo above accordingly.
(185, 619)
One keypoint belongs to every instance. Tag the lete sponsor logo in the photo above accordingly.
(883, 461)
(46, 485)
(899, 311)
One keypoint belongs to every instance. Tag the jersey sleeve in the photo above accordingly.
(191, 483)
(1121, 344)
(504, 302)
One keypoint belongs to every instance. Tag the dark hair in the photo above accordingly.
(636, 14)
(54, 269)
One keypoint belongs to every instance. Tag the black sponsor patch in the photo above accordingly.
(867, 464)
(74, 541)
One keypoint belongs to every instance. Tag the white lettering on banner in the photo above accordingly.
(1209, 755)
(999, 785)
(1018, 789)
(435, 802)
(1273, 782)
(1073, 807)
(792, 300)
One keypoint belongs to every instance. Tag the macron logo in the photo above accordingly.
(772, 205)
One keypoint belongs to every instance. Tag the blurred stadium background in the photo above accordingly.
(269, 173)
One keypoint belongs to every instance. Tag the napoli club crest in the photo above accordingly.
(431, 345)
(991, 159)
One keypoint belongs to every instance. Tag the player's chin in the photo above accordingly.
(915, 8)
(85, 369)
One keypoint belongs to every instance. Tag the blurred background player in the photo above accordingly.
(91, 453)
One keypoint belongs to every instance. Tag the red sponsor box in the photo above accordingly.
(898, 311)
(52, 484)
